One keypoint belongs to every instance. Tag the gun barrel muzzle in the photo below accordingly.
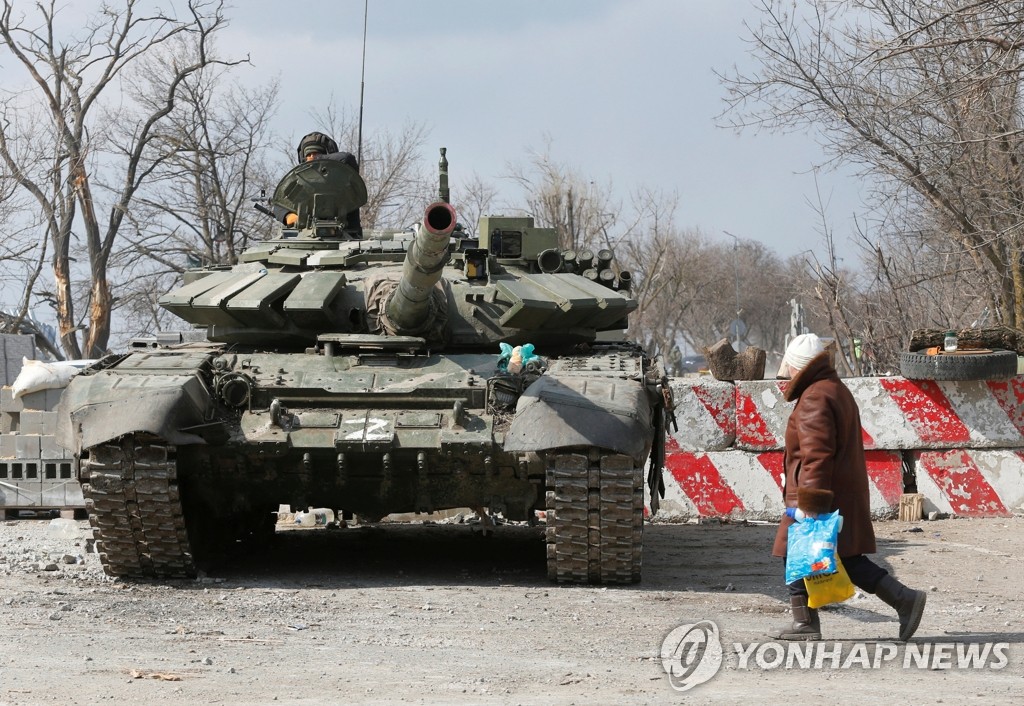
(409, 305)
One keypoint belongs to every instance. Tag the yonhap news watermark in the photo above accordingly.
(692, 654)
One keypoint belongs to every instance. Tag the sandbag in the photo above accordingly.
(39, 375)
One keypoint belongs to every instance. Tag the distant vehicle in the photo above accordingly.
(693, 364)
(361, 371)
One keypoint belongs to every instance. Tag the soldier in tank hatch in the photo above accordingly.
(317, 145)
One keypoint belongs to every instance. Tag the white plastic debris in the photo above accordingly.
(64, 528)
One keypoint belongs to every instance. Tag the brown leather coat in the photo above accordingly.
(825, 467)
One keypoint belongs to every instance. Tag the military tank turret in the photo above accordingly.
(370, 371)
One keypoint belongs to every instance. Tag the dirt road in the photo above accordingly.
(440, 614)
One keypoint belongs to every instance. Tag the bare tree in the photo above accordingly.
(22, 256)
(902, 286)
(663, 261)
(197, 206)
(922, 95)
(203, 192)
(81, 155)
(691, 287)
(22, 261)
(473, 197)
(561, 198)
(399, 184)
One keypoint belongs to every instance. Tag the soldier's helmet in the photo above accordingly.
(316, 142)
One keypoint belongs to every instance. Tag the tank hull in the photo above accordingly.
(358, 369)
(215, 440)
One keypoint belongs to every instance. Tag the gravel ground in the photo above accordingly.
(439, 613)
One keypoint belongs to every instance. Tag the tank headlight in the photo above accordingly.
(234, 390)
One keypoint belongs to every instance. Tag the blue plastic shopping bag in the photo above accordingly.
(811, 546)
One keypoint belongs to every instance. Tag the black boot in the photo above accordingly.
(909, 604)
(805, 626)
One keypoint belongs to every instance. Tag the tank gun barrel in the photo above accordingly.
(408, 308)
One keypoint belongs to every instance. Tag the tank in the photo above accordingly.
(377, 372)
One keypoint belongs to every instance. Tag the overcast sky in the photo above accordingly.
(624, 91)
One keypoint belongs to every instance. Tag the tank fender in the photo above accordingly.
(558, 412)
(98, 408)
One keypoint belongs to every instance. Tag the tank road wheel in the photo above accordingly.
(131, 491)
(595, 515)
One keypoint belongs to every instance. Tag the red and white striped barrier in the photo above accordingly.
(705, 414)
(965, 440)
(926, 414)
(761, 415)
(971, 483)
(897, 413)
(748, 485)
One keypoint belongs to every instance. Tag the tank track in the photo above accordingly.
(595, 505)
(131, 492)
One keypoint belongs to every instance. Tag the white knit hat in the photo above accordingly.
(801, 351)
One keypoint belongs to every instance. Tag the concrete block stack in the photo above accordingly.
(35, 471)
(13, 349)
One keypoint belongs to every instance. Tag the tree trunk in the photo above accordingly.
(727, 364)
(99, 317)
(65, 310)
(994, 337)
(1018, 288)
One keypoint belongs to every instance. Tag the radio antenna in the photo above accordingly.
(362, 88)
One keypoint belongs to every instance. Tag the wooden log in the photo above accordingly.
(993, 337)
(726, 364)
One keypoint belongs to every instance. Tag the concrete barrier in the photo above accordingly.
(963, 440)
(898, 413)
(971, 483)
(761, 415)
(748, 485)
(705, 414)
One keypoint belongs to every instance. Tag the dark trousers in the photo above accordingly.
(864, 573)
